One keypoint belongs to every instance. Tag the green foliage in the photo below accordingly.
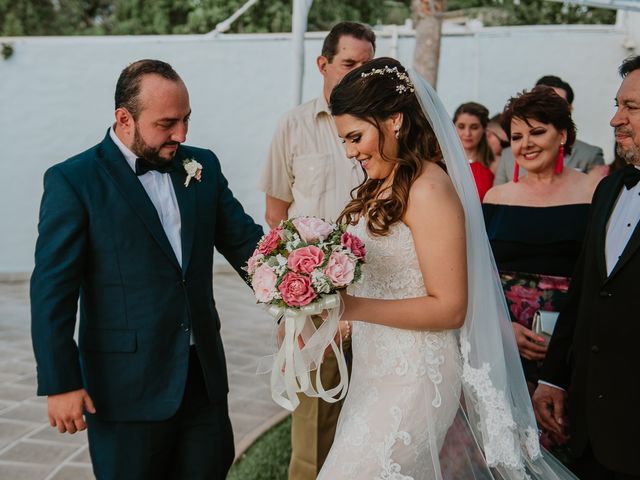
(531, 12)
(6, 50)
(268, 458)
(143, 17)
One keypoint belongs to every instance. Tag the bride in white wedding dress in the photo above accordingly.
(436, 390)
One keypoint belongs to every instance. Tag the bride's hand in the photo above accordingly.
(349, 304)
(344, 329)
(280, 336)
(529, 344)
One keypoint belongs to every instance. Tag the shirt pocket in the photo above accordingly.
(313, 174)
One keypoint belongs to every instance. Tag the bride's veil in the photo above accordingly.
(496, 404)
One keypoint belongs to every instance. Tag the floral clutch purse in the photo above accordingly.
(543, 323)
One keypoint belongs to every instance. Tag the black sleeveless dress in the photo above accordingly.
(536, 249)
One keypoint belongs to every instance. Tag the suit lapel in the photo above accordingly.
(110, 157)
(186, 197)
(601, 219)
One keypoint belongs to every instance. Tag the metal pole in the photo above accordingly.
(299, 28)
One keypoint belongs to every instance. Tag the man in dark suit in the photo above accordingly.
(129, 227)
(583, 157)
(592, 365)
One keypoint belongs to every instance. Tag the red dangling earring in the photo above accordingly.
(516, 172)
(560, 160)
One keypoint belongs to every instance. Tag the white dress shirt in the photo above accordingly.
(161, 193)
(622, 223)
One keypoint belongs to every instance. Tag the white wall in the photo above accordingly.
(56, 97)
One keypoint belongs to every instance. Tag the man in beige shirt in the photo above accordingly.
(307, 173)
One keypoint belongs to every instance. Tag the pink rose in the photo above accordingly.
(340, 269)
(264, 283)
(524, 303)
(305, 259)
(312, 229)
(296, 289)
(270, 241)
(252, 263)
(354, 244)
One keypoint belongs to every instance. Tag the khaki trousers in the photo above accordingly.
(314, 425)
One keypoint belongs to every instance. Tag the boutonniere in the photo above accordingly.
(193, 169)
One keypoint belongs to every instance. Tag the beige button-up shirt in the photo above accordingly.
(307, 164)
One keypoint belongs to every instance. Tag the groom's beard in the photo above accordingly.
(152, 155)
(629, 154)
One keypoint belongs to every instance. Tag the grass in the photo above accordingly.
(268, 458)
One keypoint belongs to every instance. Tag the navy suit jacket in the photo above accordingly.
(101, 241)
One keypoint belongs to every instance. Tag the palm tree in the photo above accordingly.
(427, 20)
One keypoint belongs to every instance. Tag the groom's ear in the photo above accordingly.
(124, 120)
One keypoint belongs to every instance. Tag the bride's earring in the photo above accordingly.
(397, 130)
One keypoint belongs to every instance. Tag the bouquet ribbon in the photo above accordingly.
(292, 364)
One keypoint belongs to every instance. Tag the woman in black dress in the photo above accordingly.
(536, 223)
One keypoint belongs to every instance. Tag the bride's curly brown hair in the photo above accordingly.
(374, 98)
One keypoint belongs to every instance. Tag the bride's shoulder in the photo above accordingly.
(433, 183)
(433, 203)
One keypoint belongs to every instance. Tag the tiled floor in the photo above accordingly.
(31, 450)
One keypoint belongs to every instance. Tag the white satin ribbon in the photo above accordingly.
(292, 365)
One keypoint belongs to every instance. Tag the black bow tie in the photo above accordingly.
(143, 166)
(630, 176)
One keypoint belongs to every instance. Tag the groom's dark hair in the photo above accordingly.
(128, 86)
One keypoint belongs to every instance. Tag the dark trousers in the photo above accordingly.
(194, 444)
(587, 467)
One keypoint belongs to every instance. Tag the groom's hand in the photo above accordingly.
(549, 405)
(66, 410)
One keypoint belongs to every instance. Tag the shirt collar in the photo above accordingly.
(321, 106)
(129, 156)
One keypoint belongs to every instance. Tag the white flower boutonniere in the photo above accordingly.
(193, 169)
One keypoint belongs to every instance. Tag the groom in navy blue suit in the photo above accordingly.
(128, 227)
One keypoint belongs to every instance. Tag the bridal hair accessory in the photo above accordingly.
(193, 169)
(297, 271)
(404, 87)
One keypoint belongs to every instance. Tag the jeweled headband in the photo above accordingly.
(404, 87)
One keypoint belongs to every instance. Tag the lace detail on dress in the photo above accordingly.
(434, 360)
(502, 446)
(391, 469)
(405, 385)
(392, 269)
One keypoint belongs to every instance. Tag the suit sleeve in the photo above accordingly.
(55, 285)
(596, 159)
(236, 234)
(556, 368)
(502, 175)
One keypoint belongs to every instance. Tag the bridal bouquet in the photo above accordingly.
(297, 270)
